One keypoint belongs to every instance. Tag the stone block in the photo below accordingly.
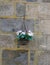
(6, 9)
(31, 0)
(6, 41)
(15, 57)
(44, 10)
(32, 11)
(20, 9)
(44, 58)
(44, 26)
(46, 1)
(32, 57)
(45, 42)
(12, 25)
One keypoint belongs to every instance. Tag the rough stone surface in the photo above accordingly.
(6, 9)
(31, 57)
(32, 8)
(20, 9)
(11, 25)
(46, 1)
(6, 41)
(34, 11)
(44, 59)
(31, 0)
(44, 10)
(16, 57)
(44, 26)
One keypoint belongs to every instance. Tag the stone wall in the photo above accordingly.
(37, 17)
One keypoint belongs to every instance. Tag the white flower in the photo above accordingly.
(30, 33)
(17, 33)
(23, 33)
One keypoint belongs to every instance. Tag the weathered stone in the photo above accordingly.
(44, 26)
(6, 41)
(44, 58)
(32, 11)
(31, 0)
(11, 25)
(44, 11)
(20, 9)
(6, 9)
(15, 57)
(46, 1)
(32, 57)
(8, 25)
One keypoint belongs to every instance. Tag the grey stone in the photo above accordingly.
(46, 1)
(10, 25)
(6, 9)
(7, 25)
(31, 57)
(10, 57)
(6, 41)
(44, 59)
(20, 9)
(31, 0)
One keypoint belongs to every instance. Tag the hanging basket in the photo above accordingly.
(22, 36)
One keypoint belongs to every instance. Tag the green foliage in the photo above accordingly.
(22, 36)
